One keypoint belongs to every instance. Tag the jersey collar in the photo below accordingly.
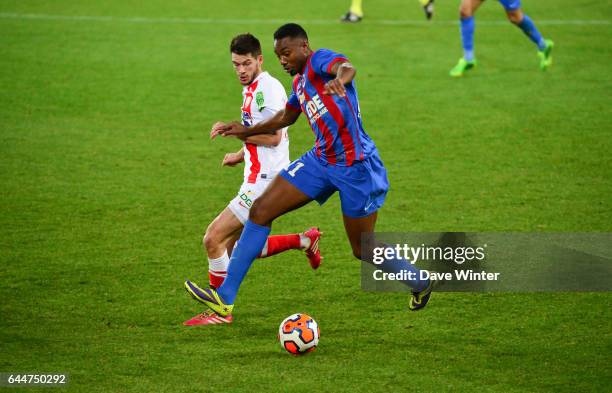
(253, 84)
(306, 64)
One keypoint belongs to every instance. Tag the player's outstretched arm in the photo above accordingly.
(261, 140)
(283, 118)
(264, 139)
(345, 73)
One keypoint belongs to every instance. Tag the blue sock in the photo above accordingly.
(396, 265)
(249, 246)
(467, 37)
(532, 32)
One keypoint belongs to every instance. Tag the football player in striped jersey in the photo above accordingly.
(344, 159)
(264, 156)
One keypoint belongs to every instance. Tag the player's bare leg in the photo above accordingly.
(220, 232)
(355, 227)
(467, 8)
(218, 240)
(279, 198)
(515, 16)
(224, 229)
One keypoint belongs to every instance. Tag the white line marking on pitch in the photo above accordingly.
(214, 21)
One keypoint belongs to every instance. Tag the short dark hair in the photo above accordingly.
(245, 44)
(292, 30)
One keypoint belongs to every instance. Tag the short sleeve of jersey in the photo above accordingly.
(271, 98)
(323, 60)
(293, 103)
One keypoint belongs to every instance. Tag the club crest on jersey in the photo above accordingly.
(315, 108)
(259, 99)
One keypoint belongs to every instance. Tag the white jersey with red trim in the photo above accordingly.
(261, 100)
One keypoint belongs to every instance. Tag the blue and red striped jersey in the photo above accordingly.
(335, 121)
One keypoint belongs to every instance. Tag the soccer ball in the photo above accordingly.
(298, 334)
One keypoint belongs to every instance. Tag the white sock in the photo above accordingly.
(264, 250)
(218, 264)
(304, 241)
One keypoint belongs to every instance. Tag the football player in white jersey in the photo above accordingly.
(264, 156)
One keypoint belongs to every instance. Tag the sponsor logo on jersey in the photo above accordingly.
(247, 120)
(315, 108)
(246, 199)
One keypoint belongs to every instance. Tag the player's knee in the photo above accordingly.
(210, 240)
(465, 11)
(515, 16)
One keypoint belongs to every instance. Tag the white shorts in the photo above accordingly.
(241, 204)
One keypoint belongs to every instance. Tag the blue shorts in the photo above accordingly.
(362, 186)
(511, 5)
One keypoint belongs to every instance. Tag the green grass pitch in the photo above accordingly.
(108, 180)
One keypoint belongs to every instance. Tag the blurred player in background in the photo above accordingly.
(355, 12)
(516, 16)
(264, 157)
(343, 159)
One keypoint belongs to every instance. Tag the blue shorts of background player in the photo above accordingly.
(362, 186)
(510, 5)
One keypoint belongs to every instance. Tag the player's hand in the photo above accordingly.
(234, 129)
(232, 159)
(335, 86)
(216, 129)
